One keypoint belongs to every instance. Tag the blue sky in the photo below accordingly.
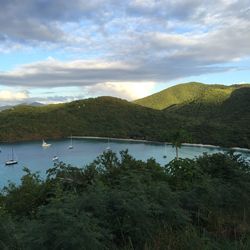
(60, 50)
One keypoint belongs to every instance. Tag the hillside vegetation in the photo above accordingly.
(103, 116)
(211, 114)
(225, 122)
(188, 93)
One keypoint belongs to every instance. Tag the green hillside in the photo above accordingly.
(212, 114)
(188, 93)
(103, 116)
(219, 123)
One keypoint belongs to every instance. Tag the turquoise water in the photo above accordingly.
(38, 159)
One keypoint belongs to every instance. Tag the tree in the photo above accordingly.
(177, 138)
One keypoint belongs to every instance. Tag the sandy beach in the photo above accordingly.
(157, 142)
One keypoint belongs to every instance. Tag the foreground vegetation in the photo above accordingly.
(220, 117)
(123, 203)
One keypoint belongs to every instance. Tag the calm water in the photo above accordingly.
(36, 158)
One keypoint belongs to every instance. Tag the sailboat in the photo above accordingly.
(11, 161)
(45, 145)
(165, 146)
(71, 143)
(108, 147)
(55, 158)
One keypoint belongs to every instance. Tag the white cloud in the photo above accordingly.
(9, 96)
(126, 90)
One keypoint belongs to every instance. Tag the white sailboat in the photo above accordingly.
(12, 161)
(71, 143)
(55, 158)
(45, 145)
(108, 147)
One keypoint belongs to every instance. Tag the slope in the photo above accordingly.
(188, 93)
(103, 116)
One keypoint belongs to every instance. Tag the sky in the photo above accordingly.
(61, 50)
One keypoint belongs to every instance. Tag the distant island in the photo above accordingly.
(211, 114)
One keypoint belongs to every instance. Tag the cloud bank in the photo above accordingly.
(113, 47)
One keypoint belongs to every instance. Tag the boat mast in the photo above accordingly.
(12, 158)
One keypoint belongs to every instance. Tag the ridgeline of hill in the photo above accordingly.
(215, 114)
(103, 116)
(34, 104)
(188, 93)
(211, 114)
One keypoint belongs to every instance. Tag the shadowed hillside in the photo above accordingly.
(218, 123)
(103, 116)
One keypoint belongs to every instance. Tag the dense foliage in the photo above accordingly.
(123, 203)
(214, 114)
(103, 116)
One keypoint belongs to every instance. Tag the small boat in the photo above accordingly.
(165, 147)
(55, 158)
(12, 161)
(108, 148)
(71, 143)
(45, 145)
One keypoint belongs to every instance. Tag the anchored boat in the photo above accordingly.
(12, 161)
(45, 144)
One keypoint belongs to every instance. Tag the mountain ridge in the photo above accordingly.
(189, 92)
(224, 122)
(33, 104)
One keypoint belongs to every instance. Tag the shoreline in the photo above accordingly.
(157, 142)
(239, 149)
(115, 139)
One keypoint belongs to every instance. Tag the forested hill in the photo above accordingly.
(221, 123)
(220, 116)
(103, 116)
(215, 114)
(189, 93)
